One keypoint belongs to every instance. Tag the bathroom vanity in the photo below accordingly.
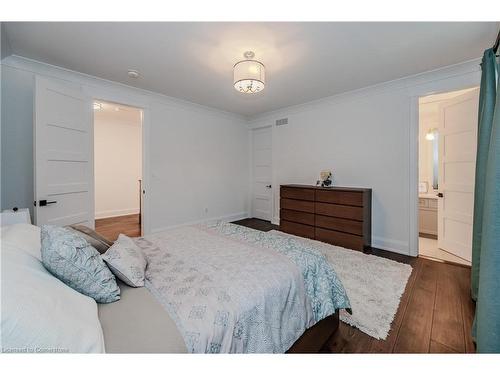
(427, 214)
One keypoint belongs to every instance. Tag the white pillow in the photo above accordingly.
(39, 312)
(126, 260)
(23, 236)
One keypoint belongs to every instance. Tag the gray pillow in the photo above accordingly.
(73, 261)
(126, 260)
(95, 240)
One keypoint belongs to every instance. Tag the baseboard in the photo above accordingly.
(228, 218)
(395, 246)
(115, 213)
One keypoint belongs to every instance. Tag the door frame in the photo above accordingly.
(251, 174)
(413, 248)
(133, 101)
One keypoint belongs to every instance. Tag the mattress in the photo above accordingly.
(137, 323)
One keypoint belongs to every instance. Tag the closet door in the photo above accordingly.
(262, 173)
(63, 154)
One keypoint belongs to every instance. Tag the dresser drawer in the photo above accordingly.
(346, 240)
(297, 193)
(293, 204)
(338, 224)
(297, 229)
(350, 198)
(422, 202)
(336, 210)
(297, 216)
(338, 215)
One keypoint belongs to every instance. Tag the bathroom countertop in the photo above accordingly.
(427, 195)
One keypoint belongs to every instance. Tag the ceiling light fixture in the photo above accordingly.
(249, 76)
(132, 73)
(97, 106)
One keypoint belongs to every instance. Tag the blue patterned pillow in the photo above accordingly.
(72, 260)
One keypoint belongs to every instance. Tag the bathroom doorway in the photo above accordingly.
(447, 155)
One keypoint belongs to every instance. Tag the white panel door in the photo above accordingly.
(457, 164)
(262, 174)
(63, 154)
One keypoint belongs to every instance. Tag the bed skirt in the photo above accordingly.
(316, 337)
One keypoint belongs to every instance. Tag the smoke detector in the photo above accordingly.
(132, 73)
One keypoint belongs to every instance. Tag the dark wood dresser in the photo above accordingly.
(338, 215)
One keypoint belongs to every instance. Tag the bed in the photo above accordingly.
(154, 331)
(223, 288)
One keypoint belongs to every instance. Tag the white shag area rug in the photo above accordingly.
(374, 286)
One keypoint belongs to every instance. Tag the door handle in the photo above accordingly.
(440, 195)
(268, 186)
(44, 202)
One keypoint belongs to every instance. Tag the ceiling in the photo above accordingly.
(304, 61)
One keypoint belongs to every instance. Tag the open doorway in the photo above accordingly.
(118, 169)
(447, 155)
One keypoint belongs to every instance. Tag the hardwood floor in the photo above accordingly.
(130, 226)
(435, 314)
(111, 227)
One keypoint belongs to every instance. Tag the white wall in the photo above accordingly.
(203, 165)
(117, 161)
(368, 138)
(17, 139)
(5, 49)
(197, 157)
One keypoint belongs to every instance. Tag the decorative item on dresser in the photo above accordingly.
(337, 215)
